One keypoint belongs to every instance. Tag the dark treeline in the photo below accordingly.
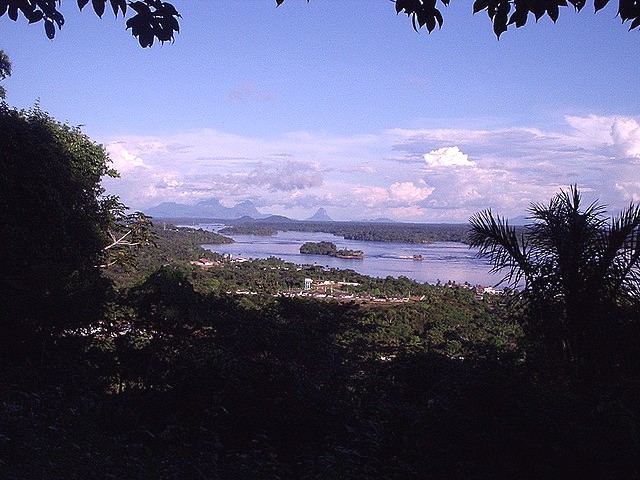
(362, 231)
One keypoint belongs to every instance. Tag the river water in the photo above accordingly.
(441, 261)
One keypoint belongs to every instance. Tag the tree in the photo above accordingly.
(5, 71)
(503, 13)
(582, 271)
(125, 231)
(54, 224)
(155, 19)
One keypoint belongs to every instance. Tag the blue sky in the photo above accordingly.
(341, 105)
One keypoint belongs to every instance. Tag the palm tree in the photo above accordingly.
(581, 271)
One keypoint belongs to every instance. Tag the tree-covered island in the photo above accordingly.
(330, 249)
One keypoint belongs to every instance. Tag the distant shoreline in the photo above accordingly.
(397, 232)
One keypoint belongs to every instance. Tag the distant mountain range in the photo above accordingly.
(243, 211)
(246, 211)
(205, 209)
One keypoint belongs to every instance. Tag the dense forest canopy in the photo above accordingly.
(54, 220)
(182, 377)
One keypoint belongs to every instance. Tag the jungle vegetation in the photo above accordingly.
(121, 359)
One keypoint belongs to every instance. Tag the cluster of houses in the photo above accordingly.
(207, 263)
(336, 290)
(482, 291)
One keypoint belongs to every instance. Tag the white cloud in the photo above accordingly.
(371, 197)
(447, 157)
(591, 130)
(387, 174)
(625, 133)
(408, 192)
(123, 160)
(171, 181)
(286, 176)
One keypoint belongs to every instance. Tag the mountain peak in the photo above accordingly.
(320, 216)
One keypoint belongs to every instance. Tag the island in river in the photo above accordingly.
(330, 249)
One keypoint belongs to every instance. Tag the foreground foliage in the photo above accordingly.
(180, 384)
(152, 20)
(157, 20)
(5, 71)
(58, 229)
(505, 13)
(53, 220)
(582, 274)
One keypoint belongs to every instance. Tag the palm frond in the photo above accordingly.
(498, 241)
(620, 261)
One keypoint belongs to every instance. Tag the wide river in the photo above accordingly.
(441, 261)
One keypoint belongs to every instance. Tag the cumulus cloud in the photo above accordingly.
(591, 130)
(625, 133)
(368, 196)
(408, 192)
(447, 157)
(122, 159)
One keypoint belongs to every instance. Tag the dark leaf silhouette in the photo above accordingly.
(480, 5)
(159, 19)
(519, 16)
(98, 7)
(13, 12)
(155, 19)
(118, 5)
(49, 28)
